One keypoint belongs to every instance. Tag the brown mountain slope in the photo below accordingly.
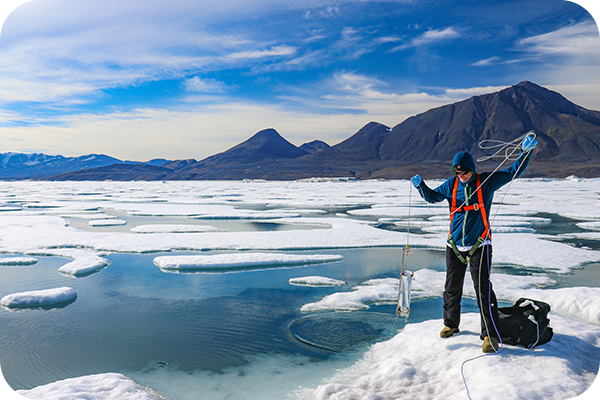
(568, 136)
(566, 132)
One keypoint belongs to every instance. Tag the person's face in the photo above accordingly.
(465, 177)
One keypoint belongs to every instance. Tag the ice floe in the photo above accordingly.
(18, 260)
(425, 283)
(84, 265)
(240, 214)
(240, 261)
(108, 386)
(38, 298)
(593, 226)
(315, 281)
(107, 222)
(169, 228)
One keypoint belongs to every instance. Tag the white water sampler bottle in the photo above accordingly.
(403, 309)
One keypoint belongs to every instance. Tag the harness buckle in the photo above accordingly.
(476, 207)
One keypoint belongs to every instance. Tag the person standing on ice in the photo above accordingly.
(470, 195)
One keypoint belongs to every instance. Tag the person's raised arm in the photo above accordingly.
(430, 195)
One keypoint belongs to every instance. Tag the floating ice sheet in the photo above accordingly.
(109, 386)
(593, 226)
(51, 236)
(84, 265)
(18, 260)
(539, 252)
(316, 281)
(39, 298)
(426, 283)
(240, 214)
(107, 222)
(241, 261)
(170, 228)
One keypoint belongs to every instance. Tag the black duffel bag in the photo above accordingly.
(525, 324)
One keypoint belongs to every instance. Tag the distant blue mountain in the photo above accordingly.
(39, 165)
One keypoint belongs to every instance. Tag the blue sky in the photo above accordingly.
(142, 79)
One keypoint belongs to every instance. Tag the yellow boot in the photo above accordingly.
(447, 332)
(490, 345)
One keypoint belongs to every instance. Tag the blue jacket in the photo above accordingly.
(468, 226)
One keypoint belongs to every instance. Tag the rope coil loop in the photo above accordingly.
(506, 150)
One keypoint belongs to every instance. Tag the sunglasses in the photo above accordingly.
(460, 171)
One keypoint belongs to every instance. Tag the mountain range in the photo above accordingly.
(38, 165)
(568, 137)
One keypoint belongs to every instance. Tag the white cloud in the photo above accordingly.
(567, 60)
(349, 81)
(488, 61)
(275, 51)
(429, 37)
(436, 35)
(578, 40)
(198, 85)
(85, 48)
(206, 130)
(198, 133)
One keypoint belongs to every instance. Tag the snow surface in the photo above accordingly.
(37, 298)
(84, 265)
(416, 362)
(242, 260)
(109, 386)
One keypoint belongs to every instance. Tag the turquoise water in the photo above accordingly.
(132, 315)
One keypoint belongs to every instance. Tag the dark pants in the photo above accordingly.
(480, 264)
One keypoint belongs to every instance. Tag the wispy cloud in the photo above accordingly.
(198, 85)
(429, 37)
(486, 62)
(275, 51)
(578, 40)
(353, 82)
(568, 60)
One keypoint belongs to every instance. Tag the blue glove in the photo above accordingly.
(416, 180)
(529, 143)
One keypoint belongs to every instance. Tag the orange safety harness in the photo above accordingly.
(480, 206)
